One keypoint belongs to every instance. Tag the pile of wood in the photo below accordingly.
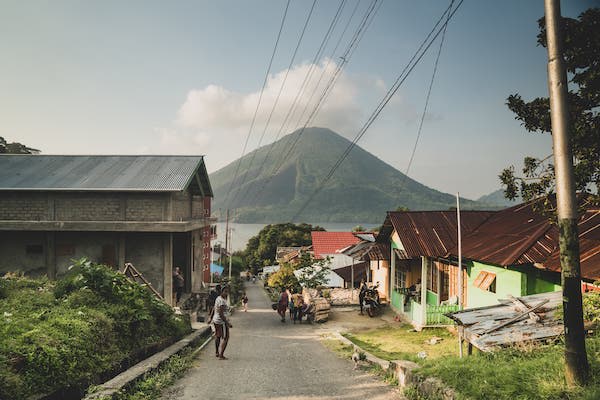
(321, 307)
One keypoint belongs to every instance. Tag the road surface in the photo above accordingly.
(269, 359)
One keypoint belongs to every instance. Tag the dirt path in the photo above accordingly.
(269, 359)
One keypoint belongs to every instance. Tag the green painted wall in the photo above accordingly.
(397, 300)
(507, 282)
(542, 282)
(432, 298)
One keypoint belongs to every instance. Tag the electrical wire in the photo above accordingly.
(298, 95)
(274, 144)
(226, 203)
(435, 67)
(425, 45)
(358, 35)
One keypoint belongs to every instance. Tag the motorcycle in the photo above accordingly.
(371, 301)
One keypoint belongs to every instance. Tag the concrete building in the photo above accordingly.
(151, 211)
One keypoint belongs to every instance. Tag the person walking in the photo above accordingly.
(222, 324)
(245, 302)
(361, 294)
(178, 283)
(282, 304)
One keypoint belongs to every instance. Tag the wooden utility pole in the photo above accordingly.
(576, 363)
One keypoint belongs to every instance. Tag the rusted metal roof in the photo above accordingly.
(103, 173)
(520, 235)
(589, 247)
(431, 233)
(516, 235)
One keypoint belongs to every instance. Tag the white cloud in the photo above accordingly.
(215, 120)
(219, 110)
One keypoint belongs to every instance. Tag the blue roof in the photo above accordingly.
(103, 173)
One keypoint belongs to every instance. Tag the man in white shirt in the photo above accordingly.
(221, 323)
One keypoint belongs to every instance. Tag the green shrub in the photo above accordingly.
(53, 336)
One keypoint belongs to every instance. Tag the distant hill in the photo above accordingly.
(361, 190)
(497, 199)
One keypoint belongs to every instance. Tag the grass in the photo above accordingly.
(517, 373)
(536, 372)
(152, 385)
(402, 343)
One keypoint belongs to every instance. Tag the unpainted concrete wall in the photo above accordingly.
(14, 256)
(146, 252)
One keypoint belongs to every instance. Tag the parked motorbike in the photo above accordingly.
(371, 301)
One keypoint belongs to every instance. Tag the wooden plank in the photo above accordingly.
(515, 319)
(524, 307)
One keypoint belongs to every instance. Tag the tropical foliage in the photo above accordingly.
(582, 61)
(56, 335)
(15, 148)
(261, 249)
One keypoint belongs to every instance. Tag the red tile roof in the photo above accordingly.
(432, 233)
(329, 242)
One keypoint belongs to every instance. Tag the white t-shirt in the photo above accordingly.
(219, 302)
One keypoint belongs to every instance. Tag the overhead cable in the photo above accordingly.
(425, 45)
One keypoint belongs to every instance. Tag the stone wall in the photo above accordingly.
(338, 296)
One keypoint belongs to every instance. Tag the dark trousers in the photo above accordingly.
(178, 291)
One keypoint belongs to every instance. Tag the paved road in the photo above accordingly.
(272, 360)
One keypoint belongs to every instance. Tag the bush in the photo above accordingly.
(69, 334)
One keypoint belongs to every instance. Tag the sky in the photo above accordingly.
(185, 77)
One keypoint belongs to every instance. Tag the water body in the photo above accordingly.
(243, 232)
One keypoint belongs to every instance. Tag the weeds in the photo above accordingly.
(55, 335)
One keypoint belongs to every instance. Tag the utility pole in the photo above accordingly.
(230, 257)
(576, 363)
(227, 231)
(460, 273)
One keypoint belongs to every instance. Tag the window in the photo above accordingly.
(399, 279)
(432, 274)
(486, 281)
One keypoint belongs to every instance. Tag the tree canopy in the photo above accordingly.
(15, 148)
(261, 249)
(581, 39)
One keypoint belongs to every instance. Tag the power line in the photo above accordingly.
(435, 67)
(271, 148)
(425, 45)
(359, 33)
(259, 100)
(300, 91)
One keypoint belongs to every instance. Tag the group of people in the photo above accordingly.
(293, 301)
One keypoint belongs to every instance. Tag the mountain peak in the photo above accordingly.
(276, 180)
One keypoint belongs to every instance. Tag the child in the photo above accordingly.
(245, 302)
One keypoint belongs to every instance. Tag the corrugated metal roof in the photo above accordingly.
(433, 233)
(520, 235)
(589, 247)
(516, 235)
(330, 242)
(100, 173)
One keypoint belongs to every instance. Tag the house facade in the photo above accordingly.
(151, 211)
(423, 281)
(515, 252)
